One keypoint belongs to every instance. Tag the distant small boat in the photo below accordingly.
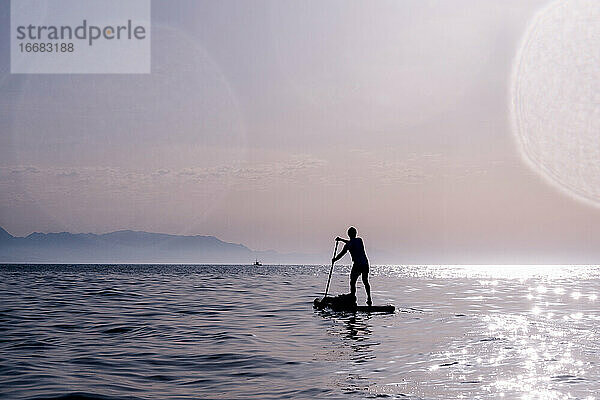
(257, 263)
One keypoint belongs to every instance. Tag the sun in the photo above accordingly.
(555, 97)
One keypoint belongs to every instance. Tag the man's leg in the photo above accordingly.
(354, 274)
(365, 279)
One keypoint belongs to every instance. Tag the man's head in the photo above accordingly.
(352, 232)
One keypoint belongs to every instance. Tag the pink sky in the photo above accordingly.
(279, 124)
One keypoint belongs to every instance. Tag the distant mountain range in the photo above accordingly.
(131, 247)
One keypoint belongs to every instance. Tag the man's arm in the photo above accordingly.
(341, 254)
(339, 239)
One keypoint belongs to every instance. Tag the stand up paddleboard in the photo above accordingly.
(329, 303)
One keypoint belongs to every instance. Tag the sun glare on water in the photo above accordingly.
(528, 332)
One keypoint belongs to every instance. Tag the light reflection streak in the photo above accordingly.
(487, 274)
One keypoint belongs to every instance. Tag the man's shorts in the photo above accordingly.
(359, 269)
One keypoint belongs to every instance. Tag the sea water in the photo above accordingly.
(240, 332)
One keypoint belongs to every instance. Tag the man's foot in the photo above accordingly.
(369, 302)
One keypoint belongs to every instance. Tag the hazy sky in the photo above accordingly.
(279, 123)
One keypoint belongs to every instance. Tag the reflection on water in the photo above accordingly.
(212, 332)
(541, 353)
(356, 348)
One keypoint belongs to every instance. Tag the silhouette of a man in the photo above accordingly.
(359, 259)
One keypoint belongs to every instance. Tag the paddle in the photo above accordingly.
(331, 270)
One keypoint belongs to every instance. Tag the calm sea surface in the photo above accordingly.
(236, 332)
